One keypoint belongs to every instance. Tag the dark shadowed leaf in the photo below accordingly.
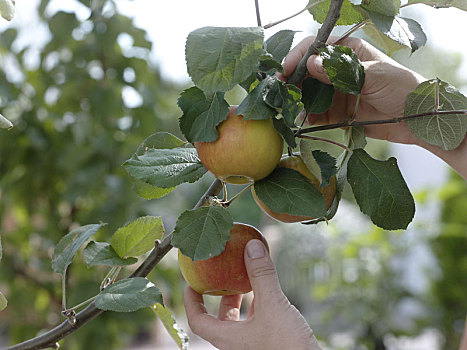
(286, 132)
(202, 233)
(280, 43)
(343, 68)
(316, 96)
(287, 191)
(128, 295)
(380, 190)
(253, 106)
(201, 114)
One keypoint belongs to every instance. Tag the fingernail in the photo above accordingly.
(255, 249)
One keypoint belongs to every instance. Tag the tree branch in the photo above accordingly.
(258, 14)
(377, 122)
(50, 338)
(323, 34)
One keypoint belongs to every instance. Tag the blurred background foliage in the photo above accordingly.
(81, 106)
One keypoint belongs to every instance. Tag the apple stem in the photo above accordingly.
(226, 204)
(325, 140)
(224, 190)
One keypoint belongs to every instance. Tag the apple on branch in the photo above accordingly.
(224, 274)
(296, 163)
(245, 151)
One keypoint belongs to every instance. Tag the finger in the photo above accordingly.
(201, 323)
(251, 312)
(262, 274)
(316, 69)
(229, 308)
(295, 55)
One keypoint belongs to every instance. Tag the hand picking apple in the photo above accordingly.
(272, 323)
(224, 274)
(296, 163)
(245, 151)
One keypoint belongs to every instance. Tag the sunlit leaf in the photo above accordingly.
(349, 12)
(218, 58)
(175, 331)
(3, 302)
(137, 237)
(445, 131)
(5, 123)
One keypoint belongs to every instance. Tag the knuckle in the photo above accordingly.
(263, 270)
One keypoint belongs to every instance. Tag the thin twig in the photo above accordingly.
(258, 14)
(351, 31)
(309, 6)
(325, 140)
(50, 338)
(377, 122)
(323, 35)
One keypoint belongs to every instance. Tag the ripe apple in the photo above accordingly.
(296, 163)
(245, 151)
(224, 274)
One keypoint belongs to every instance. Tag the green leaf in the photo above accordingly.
(343, 68)
(159, 140)
(279, 44)
(316, 96)
(327, 165)
(285, 98)
(219, 58)
(5, 123)
(202, 233)
(128, 295)
(166, 168)
(286, 132)
(404, 31)
(287, 191)
(102, 253)
(253, 106)
(349, 12)
(355, 137)
(3, 302)
(175, 331)
(380, 190)
(445, 131)
(147, 191)
(269, 65)
(137, 237)
(67, 247)
(382, 41)
(201, 114)
(460, 4)
(320, 163)
(384, 7)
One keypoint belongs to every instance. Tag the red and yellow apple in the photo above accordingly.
(224, 274)
(245, 151)
(296, 163)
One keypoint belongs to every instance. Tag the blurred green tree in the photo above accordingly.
(79, 109)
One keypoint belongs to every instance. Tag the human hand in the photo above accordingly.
(272, 322)
(384, 94)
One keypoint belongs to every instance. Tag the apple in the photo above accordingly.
(296, 163)
(245, 151)
(224, 274)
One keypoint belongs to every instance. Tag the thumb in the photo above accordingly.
(316, 69)
(261, 272)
